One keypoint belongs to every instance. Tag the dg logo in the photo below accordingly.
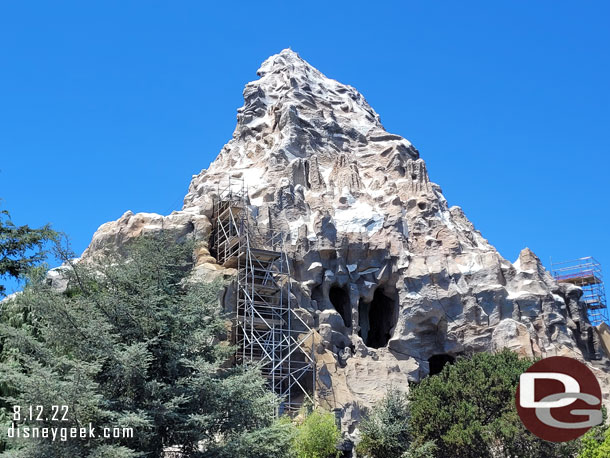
(559, 399)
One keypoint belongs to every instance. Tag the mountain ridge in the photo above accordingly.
(363, 222)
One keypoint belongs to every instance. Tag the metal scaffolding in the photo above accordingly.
(267, 331)
(587, 274)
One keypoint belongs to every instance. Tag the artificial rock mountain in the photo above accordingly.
(394, 281)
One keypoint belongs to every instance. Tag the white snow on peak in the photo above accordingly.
(359, 217)
(296, 225)
(473, 265)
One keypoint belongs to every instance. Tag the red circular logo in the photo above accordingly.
(559, 399)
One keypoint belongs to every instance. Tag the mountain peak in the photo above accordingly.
(388, 274)
(286, 61)
(294, 113)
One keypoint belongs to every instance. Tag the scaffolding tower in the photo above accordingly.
(267, 331)
(587, 274)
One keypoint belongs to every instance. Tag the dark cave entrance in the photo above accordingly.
(376, 319)
(339, 297)
(437, 362)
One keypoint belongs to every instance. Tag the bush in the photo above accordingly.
(596, 443)
(317, 436)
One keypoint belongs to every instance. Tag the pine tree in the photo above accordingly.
(130, 344)
(385, 431)
(468, 411)
(21, 247)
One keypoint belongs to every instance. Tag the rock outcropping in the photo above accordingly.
(395, 281)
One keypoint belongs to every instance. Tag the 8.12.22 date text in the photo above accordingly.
(40, 413)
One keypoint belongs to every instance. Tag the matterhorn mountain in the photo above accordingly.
(393, 280)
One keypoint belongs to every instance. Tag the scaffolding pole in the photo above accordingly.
(585, 273)
(267, 330)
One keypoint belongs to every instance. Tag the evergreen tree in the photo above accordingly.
(385, 431)
(468, 411)
(275, 441)
(21, 247)
(130, 344)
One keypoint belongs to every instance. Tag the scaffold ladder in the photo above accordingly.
(267, 330)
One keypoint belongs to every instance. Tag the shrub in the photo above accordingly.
(596, 443)
(317, 436)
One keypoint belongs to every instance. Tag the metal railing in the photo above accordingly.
(585, 273)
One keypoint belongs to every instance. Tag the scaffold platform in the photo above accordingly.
(267, 331)
(586, 273)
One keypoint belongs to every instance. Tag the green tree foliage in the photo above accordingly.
(21, 247)
(132, 344)
(317, 436)
(596, 443)
(385, 432)
(468, 411)
(426, 450)
(273, 441)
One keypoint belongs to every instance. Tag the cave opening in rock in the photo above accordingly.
(377, 319)
(437, 362)
(339, 297)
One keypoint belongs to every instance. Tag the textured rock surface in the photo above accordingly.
(389, 275)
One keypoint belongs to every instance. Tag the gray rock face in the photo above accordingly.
(394, 280)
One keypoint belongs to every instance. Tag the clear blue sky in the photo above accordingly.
(109, 106)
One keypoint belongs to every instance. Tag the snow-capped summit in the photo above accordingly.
(386, 272)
